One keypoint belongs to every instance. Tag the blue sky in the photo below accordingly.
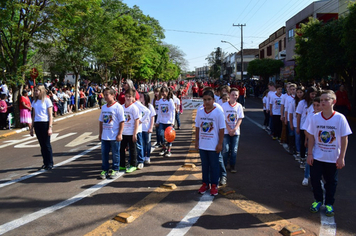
(180, 18)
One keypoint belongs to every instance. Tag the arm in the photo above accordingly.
(340, 163)
(291, 121)
(282, 112)
(121, 129)
(151, 124)
(311, 142)
(33, 122)
(196, 138)
(270, 110)
(100, 129)
(233, 131)
(220, 143)
(298, 123)
(50, 119)
(134, 136)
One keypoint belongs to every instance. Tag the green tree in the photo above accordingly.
(264, 67)
(21, 22)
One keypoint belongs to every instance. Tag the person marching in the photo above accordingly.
(147, 127)
(132, 116)
(328, 138)
(209, 136)
(275, 112)
(233, 112)
(111, 125)
(165, 118)
(42, 120)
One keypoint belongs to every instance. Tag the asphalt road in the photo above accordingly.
(72, 199)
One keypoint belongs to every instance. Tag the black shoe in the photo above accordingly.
(49, 168)
(43, 167)
(232, 169)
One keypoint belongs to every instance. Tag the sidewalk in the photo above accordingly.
(7, 133)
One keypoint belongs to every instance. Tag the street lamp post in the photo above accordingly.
(242, 72)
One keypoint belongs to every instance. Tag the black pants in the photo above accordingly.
(266, 121)
(329, 172)
(277, 125)
(127, 139)
(3, 120)
(41, 130)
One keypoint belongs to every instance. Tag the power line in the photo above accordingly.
(195, 32)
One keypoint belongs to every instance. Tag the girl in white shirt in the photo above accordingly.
(42, 124)
(265, 108)
(165, 118)
(147, 127)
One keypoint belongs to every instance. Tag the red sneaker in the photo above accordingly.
(203, 188)
(214, 190)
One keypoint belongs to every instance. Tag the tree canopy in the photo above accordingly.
(264, 67)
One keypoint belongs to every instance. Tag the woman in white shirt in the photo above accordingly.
(42, 123)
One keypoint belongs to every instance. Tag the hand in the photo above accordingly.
(99, 137)
(291, 127)
(31, 132)
(298, 130)
(285, 121)
(149, 131)
(232, 132)
(310, 160)
(271, 114)
(119, 137)
(340, 163)
(196, 144)
(218, 148)
(134, 138)
(156, 125)
(282, 118)
(50, 131)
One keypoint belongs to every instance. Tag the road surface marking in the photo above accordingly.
(42, 171)
(55, 137)
(12, 142)
(38, 214)
(86, 137)
(192, 217)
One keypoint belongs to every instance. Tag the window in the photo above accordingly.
(285, 43)
(269, 50)
(280, 45)
(290, 34)
(262, 54)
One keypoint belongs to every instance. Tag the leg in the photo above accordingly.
(105, 150)
(139, 147)
(330, 176)
(204, 166)
(214, 167)
(234, 146)
(115, 149)
(133, 152)
(315, 176)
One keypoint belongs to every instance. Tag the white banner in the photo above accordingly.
(191, 104)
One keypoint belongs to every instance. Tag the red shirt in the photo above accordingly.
(342, 98)
(25, 100)
(121, 98)
(195, 89)
(242, 90)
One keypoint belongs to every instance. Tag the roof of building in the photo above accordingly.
(249, 51)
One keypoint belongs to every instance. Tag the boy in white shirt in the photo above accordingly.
(233, 113)
(129, 137)
(111, 125)
(328, 138)
(275, 112)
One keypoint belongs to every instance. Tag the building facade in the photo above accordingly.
(275, 46)
(202, 72)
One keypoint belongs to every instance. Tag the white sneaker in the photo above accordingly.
(148, 160)
(305, 182)
(140, 166)
(162, 152)
(296, 157)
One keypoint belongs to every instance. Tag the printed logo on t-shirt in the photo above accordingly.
(164, 109)
(326, 136)
(156, 107)
(278, 102)
(127, 117)
(107, 119)
(232, 117)
(207, 126)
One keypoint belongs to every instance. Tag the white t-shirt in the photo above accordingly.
(209, 125)
(275, 100)
(327, 135)
(215, 105)
(307, 120)
(144, 114)
(269, 94)
(41, 110)
(131, 114)
(176, 102)
(287, 102)
(232, 114)
(166, 113)
(302, 109)
(111, 117)
(147, 123)
(264, 101)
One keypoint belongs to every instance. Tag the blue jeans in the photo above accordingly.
(139, 146)
(162, 128)
(178, 119)
(290, 132)
(242, 100)
(297, 139)
(307, 170)
(106, 145)
(210, 166)
(222, 166)
(146, 144)
(230, 146)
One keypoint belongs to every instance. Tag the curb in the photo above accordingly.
(55, 120)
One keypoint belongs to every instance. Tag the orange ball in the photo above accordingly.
(170, 134)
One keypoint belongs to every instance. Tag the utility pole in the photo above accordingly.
(242, 49)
